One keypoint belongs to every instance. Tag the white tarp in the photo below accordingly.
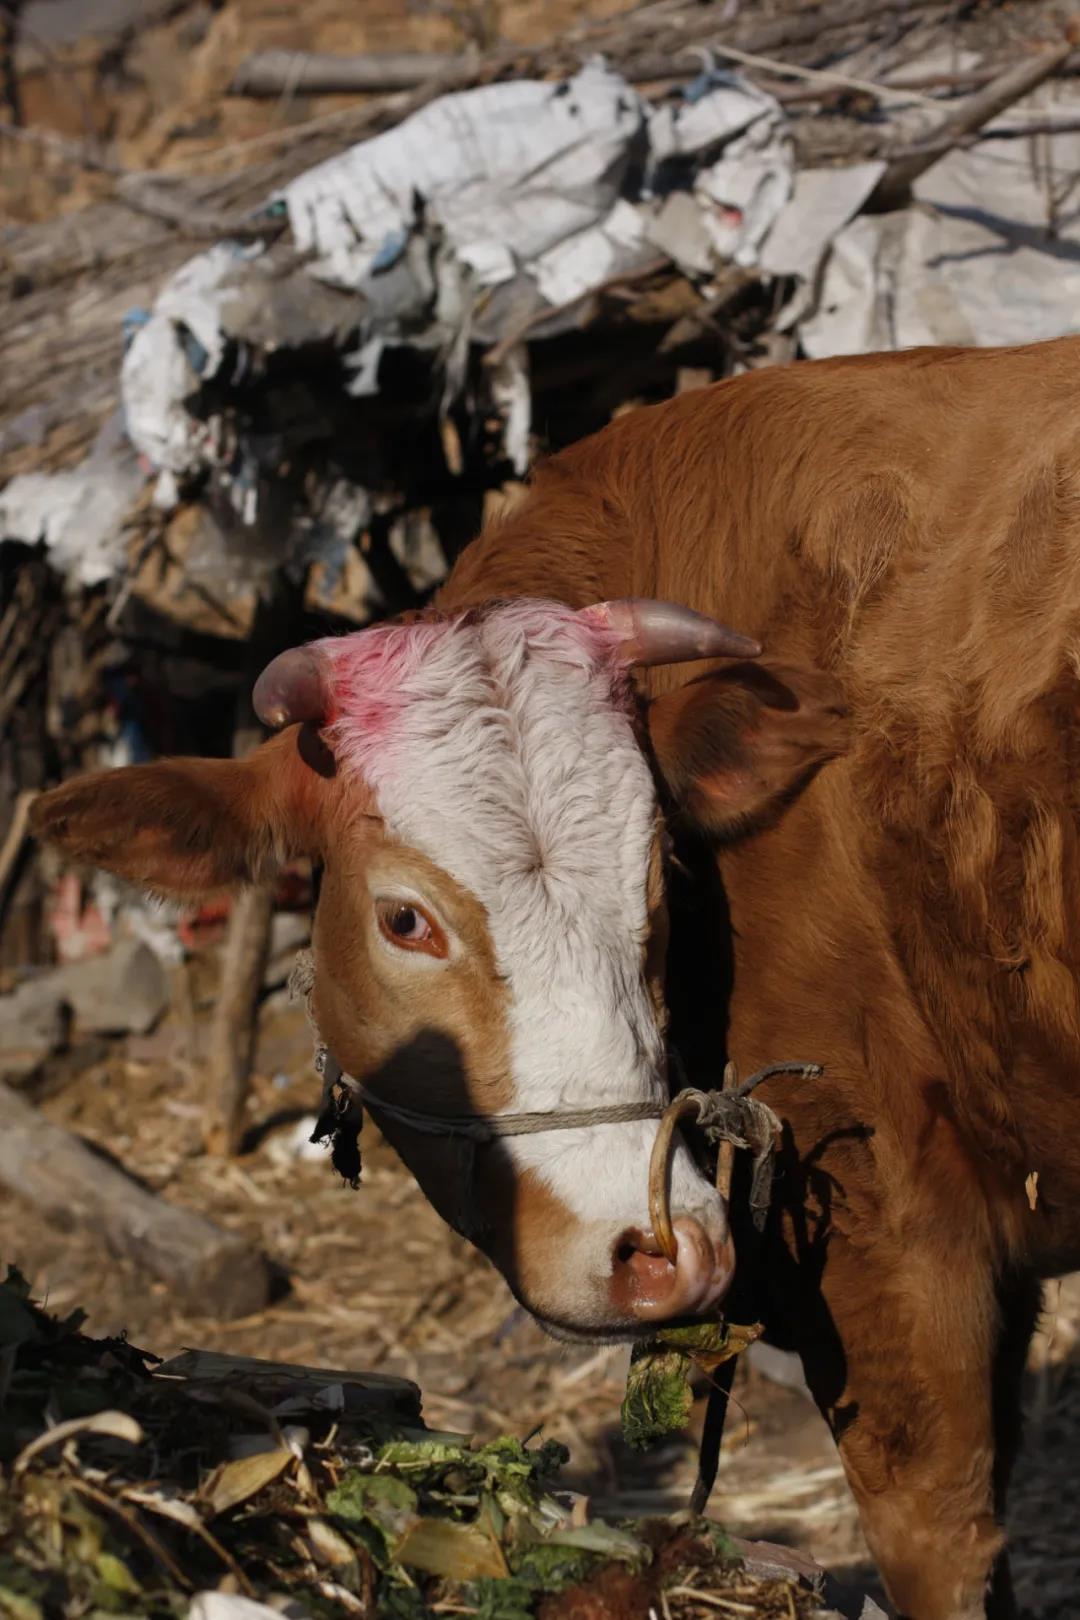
(975, 260)
(742, 194)
(78, 514)
(821, 203)
(527, 176)
(716, 107)
(506, 171)
(556, 187)
(172, 352)
(512, 200)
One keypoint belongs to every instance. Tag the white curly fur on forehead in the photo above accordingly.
(502, 747)
(378, 674)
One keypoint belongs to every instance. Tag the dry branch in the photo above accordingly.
(61, 1177)
(852, 152)
(828, 79)
(178, 211)
(894, 188)
(15, 836)
(84, 153)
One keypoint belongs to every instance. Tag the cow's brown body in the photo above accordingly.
(909, 526)
(882, 818)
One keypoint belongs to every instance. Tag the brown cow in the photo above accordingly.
(882, 818)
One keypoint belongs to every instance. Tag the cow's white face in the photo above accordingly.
(502, 902)
(491, 929)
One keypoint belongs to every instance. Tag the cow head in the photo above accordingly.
(481, 789)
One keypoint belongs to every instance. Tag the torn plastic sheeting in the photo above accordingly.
(271, 307)
(679, 230)
(821, 204)
(229, 295)
(78, 514)
(328, 534)
(451, 329)
(491, 262)
(744, 191)
(712, 109)
(414, 544)
(574, 266)
(362, 367)
(512, 397)
(511, 187)
(522, 164)
(510, 307)
(955, 268)
(158, 372)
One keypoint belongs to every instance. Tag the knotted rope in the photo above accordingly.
(344, 1099)
(733, 1116)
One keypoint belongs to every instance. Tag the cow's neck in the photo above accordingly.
(521, 556)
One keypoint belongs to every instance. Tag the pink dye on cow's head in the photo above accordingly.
(374, 675)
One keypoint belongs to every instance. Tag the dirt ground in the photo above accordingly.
(376, 1281)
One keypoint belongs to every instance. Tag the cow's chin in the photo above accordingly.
(567, 1333)
(620, 1333)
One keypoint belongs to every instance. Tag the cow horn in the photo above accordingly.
(290, 689)
(665, 633)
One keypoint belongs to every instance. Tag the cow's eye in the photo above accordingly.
(405, 923)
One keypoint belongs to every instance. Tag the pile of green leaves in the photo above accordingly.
(129, 1487)
(484, 1518)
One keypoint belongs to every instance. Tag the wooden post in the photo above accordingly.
(235, 1021)
(53, 1170)
(234, 1025)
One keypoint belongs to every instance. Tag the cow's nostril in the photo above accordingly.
(644, 1283)
(635, 1241)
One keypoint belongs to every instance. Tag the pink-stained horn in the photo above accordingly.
(665, 633)
(292, 688)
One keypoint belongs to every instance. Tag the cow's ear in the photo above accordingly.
(735, 746)
(184, 827)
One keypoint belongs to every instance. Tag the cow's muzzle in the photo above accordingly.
(648, 1286)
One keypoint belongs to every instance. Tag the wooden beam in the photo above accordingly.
(317, 73)
(78, 1189)
(893, 190)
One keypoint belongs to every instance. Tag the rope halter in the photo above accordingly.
(731, 1115)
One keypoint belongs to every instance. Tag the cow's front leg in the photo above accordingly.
(899, 1349)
